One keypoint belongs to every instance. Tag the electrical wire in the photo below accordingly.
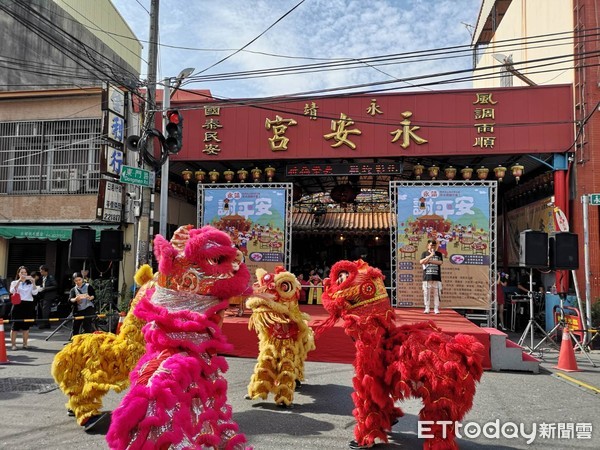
(434, 54)
(255, 39)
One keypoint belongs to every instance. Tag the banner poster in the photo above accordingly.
(255, 220)
(458, 218)
(536, 216)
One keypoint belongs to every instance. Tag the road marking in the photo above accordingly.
(579, 383)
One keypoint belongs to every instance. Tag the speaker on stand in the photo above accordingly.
(533, 253)
(82, 243)
(111, 245)
(533, 249)
(81, 248)
(564, 253)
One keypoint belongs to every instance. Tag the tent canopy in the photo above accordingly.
(49, 232)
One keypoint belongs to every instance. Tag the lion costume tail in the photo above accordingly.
(442, 370)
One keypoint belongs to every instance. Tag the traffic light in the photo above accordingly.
(174, 129)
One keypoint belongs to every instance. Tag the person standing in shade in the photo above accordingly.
(82, 298)
(47, 296)
(24, 284)
(431, 261)
(303, 291)
(501, 283)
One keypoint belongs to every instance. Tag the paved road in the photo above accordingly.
(32, 413)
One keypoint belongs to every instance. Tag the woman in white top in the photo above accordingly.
(24, 284)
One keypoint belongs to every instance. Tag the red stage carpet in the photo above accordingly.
(334, 346)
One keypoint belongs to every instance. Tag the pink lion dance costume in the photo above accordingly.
(393, 363)
(178, 394)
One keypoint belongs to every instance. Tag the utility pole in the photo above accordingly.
(164, 179)
(146, 224)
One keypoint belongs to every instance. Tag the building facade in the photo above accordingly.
(553, 42)
(51, 128)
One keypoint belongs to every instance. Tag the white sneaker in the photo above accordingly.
(426, 311)
(436, 311)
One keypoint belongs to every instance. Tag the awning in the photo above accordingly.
(359, 222)
(49, 232)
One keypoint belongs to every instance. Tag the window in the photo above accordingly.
(49, 157)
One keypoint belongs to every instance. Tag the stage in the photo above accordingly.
(334, 346)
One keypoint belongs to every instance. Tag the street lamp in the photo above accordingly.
(169, 91)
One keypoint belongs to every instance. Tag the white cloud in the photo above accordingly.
(316, 29)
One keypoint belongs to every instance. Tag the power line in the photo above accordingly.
(253, 40)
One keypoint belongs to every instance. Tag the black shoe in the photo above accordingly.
(70, 413)
(96, 421)
(354, 445)
(298, 384)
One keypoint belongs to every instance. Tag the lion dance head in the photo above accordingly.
(198, 270)
(203, 261)
(353, 290)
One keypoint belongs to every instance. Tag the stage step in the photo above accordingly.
(506, 355)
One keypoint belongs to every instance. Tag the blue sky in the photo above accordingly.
(314, 32)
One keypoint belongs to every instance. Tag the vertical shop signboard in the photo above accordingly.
(458, 219)
(254, 217)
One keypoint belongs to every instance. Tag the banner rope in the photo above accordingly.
(60, 319)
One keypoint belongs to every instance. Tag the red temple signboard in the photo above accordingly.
(459, 122)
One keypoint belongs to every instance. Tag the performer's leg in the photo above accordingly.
(262, 380)
(436, 296)
(426, 292)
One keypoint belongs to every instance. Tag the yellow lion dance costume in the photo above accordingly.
(94, 363)
(284, 337)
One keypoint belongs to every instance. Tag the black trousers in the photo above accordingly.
(45, 307)
(87, 323)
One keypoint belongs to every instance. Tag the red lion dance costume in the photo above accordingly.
(178, 394)
(284, 337)
(393, 363)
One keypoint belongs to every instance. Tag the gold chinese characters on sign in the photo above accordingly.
(211, 135)
(374, 108)
(279, 142)
(311, 110)
(485, 114)
(407, 132)
(342, 129)
(341, 132)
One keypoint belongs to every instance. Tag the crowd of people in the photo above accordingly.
(311, 277)
(39, 292)
(34, 294)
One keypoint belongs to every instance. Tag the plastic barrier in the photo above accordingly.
(3, 357)
(573, 320)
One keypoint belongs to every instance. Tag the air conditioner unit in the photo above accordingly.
(65, 180)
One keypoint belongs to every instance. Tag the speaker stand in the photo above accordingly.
(532, 323)
(64, 323)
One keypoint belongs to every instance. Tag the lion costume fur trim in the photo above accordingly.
(94, 363)
(393, 362)
(284, 337)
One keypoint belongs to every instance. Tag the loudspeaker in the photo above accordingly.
(82, 241)
(76, 265)
(533, 249)
(111, 245)
(564, 253)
